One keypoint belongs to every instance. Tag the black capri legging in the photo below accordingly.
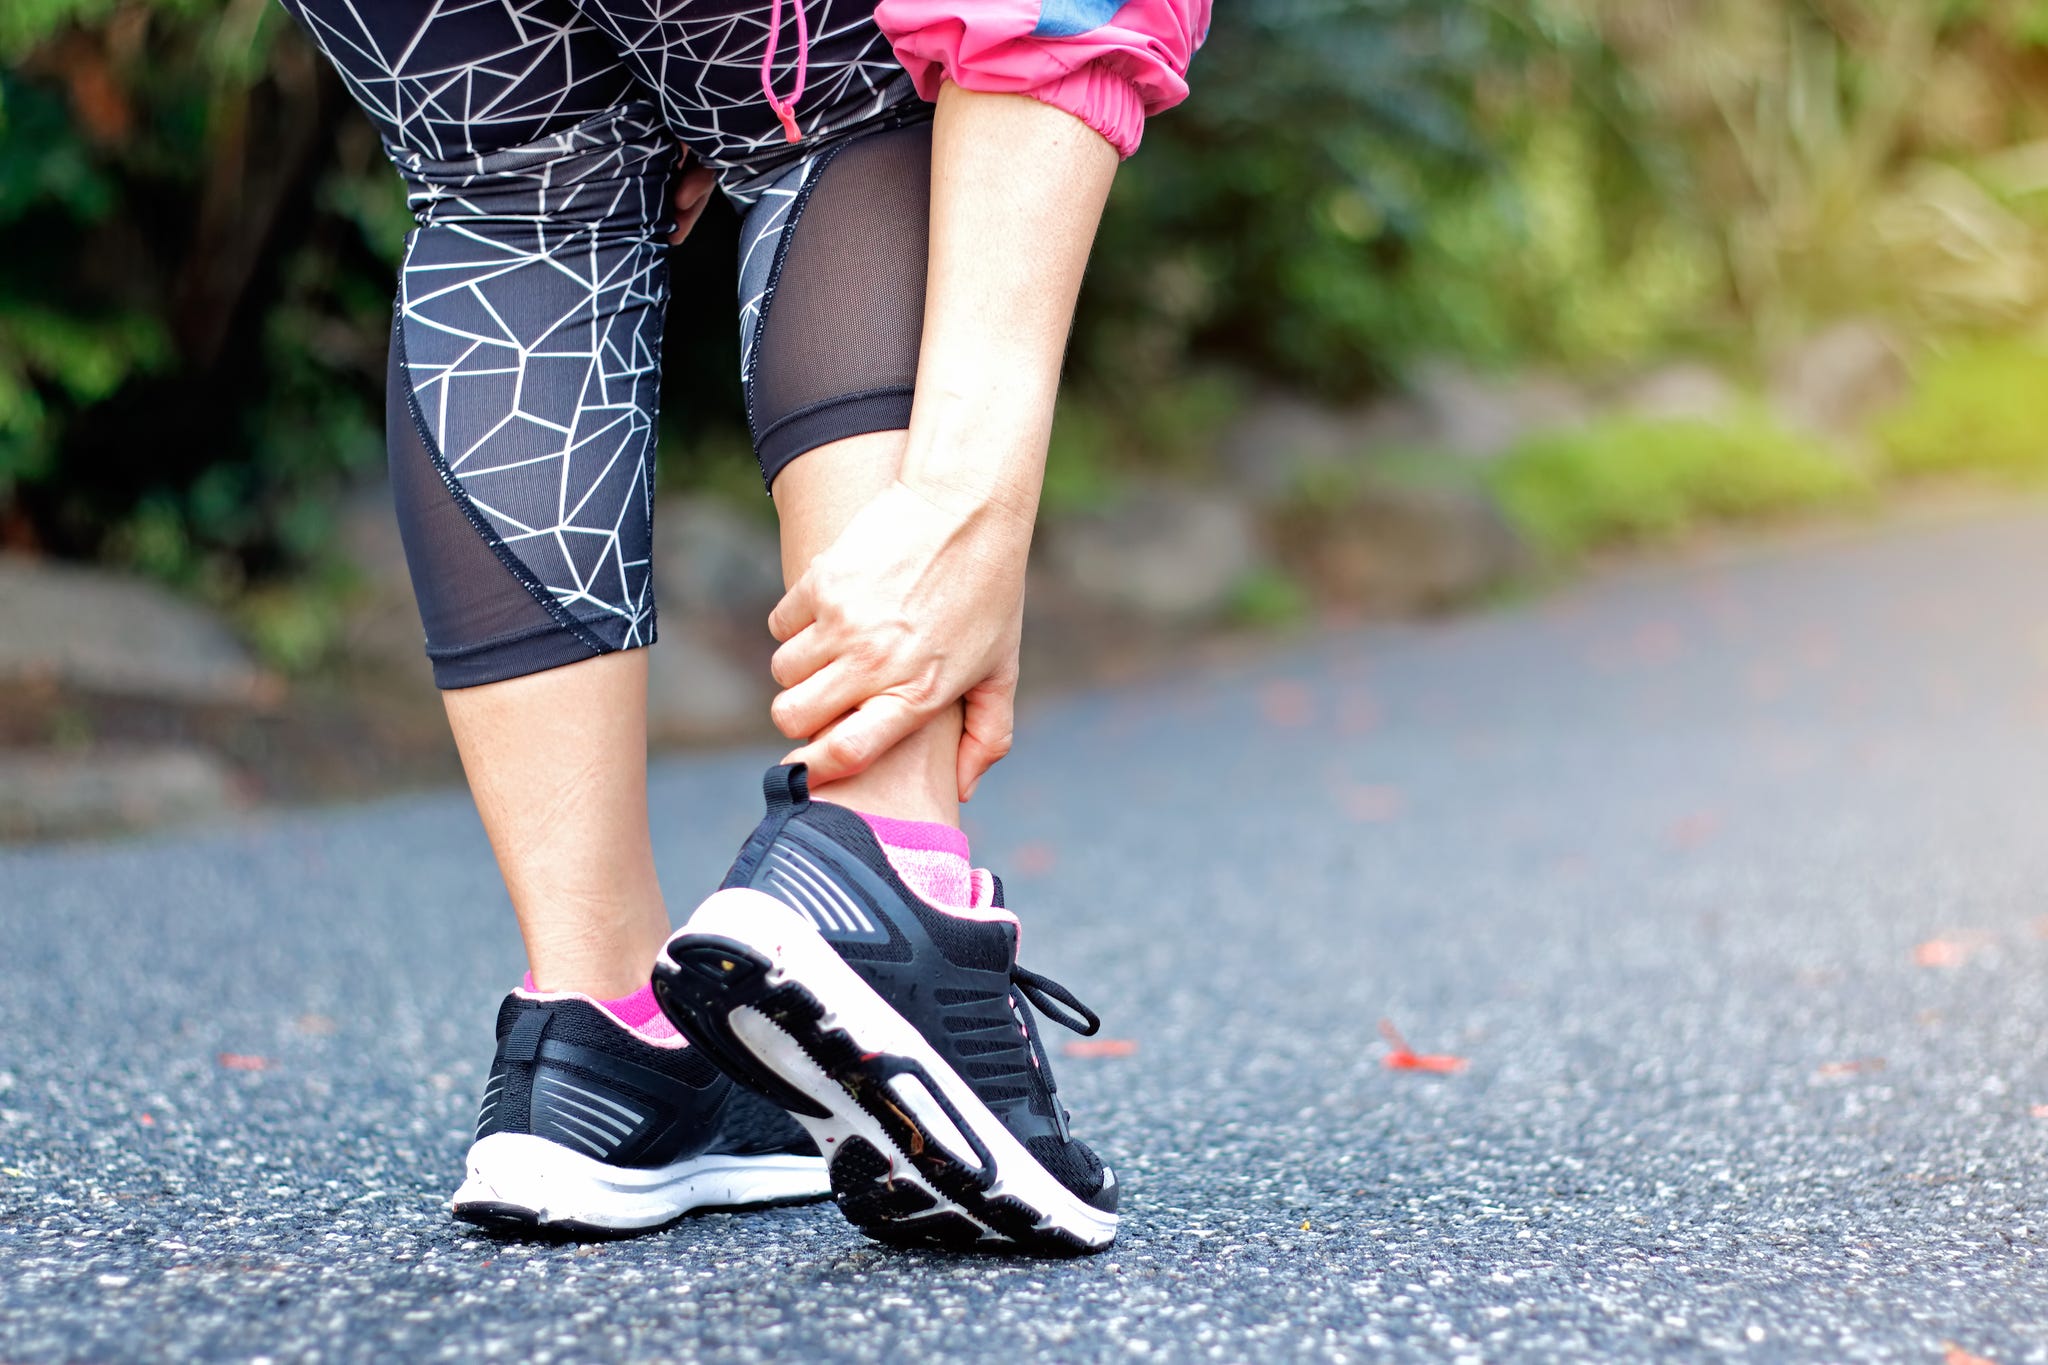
(538, 141)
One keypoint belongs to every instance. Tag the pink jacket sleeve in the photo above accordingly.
(1107, 63)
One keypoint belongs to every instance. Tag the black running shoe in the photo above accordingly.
(589, 1129)
(897, 1034)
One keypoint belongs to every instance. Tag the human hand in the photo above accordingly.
(918, 605)
(693, 192)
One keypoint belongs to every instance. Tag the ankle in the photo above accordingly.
(916, 780)
(609, 972)
(912, 802)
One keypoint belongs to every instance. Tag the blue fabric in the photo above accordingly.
(1071, 18)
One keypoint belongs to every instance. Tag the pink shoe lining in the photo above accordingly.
(639, 1011)
(931, 858)
(927, 836)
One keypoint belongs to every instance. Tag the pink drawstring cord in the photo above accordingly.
(785, 109)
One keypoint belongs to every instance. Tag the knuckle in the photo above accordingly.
(850, 749)
(784, 714)
(923, 692)
(867, 652)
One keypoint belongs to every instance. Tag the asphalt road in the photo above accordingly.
(1729, 878)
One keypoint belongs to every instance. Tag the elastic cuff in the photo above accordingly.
(1102, 99)
(512, 656)
(835, 419)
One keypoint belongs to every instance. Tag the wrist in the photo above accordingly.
(971, 455)
(968, 497)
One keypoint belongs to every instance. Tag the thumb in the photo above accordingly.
(986, 733)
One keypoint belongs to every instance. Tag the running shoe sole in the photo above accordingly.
(915, 1157)
(521, 1184)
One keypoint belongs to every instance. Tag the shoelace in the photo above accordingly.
(1047, 993)
(1060, 1005)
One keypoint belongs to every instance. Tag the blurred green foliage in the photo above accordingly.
(200, 233)
(193, 295)
(1269, 598)
(1632, 479)
(1976, 409)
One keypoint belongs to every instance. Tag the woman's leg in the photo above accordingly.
(521, 410)
(832, 310)
(557, 762)
(816, 496)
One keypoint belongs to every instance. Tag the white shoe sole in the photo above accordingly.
(908, 1165)
(517, 1181)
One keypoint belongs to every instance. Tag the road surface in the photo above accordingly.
(1727, 878)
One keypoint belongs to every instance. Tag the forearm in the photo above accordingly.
(1017, 190)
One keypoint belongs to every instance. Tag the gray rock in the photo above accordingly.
(60, 793)
(1834, 382)
(1395, 551)
(1482, 417)
(696, 690)
(95, 629)
(382, 625)
(714, 559)
(1282, 440)
(1162, 551)
(1686, 389)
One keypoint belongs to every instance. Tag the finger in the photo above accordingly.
(857, 741)
(795, 611)
(806, 710)
(802, 655)
(985, 735)
(693, 192)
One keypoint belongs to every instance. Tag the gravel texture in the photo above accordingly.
(1726, 877)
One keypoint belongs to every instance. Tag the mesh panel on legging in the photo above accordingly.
(532, 295)
(836, 349)
(530, 313)
(476, 612)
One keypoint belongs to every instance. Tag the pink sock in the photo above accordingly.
(931, 858)
(638, 1012)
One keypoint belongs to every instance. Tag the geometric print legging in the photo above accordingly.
(538, 140)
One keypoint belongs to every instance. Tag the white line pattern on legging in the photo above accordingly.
(537, 139)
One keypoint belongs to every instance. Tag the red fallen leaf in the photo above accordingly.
(1373, 803)
(1286, 703)
(243, 1061)
(1033, 860)
(1695, 829)
(1947, 952)
(1358, 713)
(146, 1120)
(1850, 1067)
(2039, 1111)
(1404, 1058)
(1953, 1354)
(1099, 1047)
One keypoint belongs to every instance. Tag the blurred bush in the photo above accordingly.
(1976, 409)
(194, 298)
(1627, 479)
(200, 234)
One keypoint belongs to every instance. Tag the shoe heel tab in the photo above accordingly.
(522, 1041)
(786, 788)
(788, 793)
